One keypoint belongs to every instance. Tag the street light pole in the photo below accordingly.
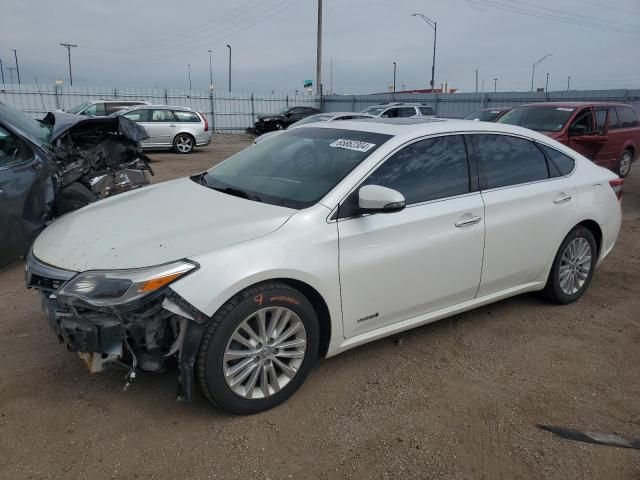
(15, 54)
(495, 85)
(2, 71)
(69, 46)
(476, 80)
(568, 83)
(394, 77)
(229, 47)
(189, 73)
(533, 70)
(210, 69)
(546, 86)
(433, 24)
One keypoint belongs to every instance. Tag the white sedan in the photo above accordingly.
(316, 241)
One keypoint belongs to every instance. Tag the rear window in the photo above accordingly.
(627, 117)
(427, 111)
(183, 116)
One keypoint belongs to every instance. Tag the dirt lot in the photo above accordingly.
(457, 399)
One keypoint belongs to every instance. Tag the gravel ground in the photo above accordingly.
(458, 399)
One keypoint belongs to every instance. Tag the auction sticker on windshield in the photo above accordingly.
(353, 145)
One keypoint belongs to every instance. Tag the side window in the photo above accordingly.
(601, 119)
(10, 151)
(627, 117)
(426, 170)
(391, 113)
(406, 112)
(95, 110)
(560, 164)
(162, 116)
(583, 122)
(427, 111)
(137, 115)
(613, 119)
(506, 160)
(182, 116)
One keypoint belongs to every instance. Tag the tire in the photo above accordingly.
(569, 279)
(252, 389)
(72, 198)
(183, 143)
(279, 126)
(624, 163)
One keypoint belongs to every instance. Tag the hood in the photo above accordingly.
(62, 122)
(154, 225)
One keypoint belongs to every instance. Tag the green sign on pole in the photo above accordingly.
(308, 84)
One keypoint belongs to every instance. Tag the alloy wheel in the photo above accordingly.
(625, 164)
(264, 352)
(184, 144)
(575, 266)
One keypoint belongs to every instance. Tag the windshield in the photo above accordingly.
(542, 119)
(312, 119)
(34, 130)
(294, 169)
(79, 108)
(373, 110)
(483, 115)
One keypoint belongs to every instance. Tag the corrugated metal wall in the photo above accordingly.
(234, 112)
(458, 105)
(227, 112)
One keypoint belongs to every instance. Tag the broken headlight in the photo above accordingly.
(103, 288)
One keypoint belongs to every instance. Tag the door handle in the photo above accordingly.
(468, 221)
(172, 125)
(562, 198)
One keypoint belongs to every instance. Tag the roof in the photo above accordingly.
(161, 107)
(573, 104)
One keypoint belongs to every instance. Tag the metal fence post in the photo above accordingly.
(253, 112)
(436, 106)
(213, 110)
(287, 101)
(55, 89)
(115, 93)
(166, 97)
(353, 101)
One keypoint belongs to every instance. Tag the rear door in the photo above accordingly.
(583, 136)
(528, 210)
(26, 195)
(605, 117)
(162, 127)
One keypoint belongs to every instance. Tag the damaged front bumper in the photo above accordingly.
(143, 334)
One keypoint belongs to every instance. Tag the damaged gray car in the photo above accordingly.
(59, 164)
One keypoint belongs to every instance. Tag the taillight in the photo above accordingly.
(206, 122)
(616, 185)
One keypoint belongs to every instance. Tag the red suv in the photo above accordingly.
(606, 133)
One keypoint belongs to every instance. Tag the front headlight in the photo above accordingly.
(103, 288)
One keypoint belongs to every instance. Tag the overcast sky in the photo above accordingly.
(145, 43)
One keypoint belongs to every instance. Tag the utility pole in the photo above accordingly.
(476, 80)
(495, 85)
(189, 73)
(434, 25)
(533, 70)
(229, 47)
(319, 51)
(394, 77)
(15, 54)
(210, 70)
(568, 83)
(11, 70)
(483, 85)
(2, 71)
(546, 86)
(69, 46)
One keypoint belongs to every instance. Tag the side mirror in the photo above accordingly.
(577, 130)
(374, 198)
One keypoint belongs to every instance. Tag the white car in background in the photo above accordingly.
(322, 239)
(320, 117)
(400, 110)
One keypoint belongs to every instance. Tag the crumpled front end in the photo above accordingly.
(140, 335)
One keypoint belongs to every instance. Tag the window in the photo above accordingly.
(506, 160)
(613, 119)
(95, 110)
(542, 119)
(162, 116)
(10, 151)
(627, 117)
(601, 119)
(427, 111)
(559, 163)
(183, 116)
(137, 115)
(426, 170)
(583, 122)
(398, 112)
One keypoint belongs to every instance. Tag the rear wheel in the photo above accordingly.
(624, 163)
(258, 349)
(573, 266)
(183, 143)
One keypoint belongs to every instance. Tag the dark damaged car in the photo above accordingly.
(59, 164)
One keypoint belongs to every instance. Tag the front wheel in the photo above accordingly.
(183, 143)
(573, 267)
(624, 163)
(258, 349)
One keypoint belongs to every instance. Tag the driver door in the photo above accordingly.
(395, 266)
(584, 138)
